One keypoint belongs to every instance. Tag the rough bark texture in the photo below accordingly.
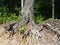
(27, 11)
(27, 16)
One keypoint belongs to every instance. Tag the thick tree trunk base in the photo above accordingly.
(32, 31)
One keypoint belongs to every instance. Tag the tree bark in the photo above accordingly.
(21, 4)
(27, 16)
(27, 13)
(53, 9)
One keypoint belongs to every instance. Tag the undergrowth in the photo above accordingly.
(5, 18)
(22, 29)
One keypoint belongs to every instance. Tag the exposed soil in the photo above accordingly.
(48, 37)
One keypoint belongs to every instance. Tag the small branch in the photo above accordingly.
(55, 29)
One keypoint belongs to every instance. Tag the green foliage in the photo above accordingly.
(6, 15)
(9, 10)
(5, 18)
(22, 29)
(42, 10)
(39, 19)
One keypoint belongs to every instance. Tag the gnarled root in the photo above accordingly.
(32, 31)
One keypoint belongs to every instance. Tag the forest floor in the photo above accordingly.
(48, 37)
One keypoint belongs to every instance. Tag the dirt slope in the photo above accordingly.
(47, 38)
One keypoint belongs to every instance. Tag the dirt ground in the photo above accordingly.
(47, 38)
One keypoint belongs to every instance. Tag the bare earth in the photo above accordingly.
(47, 38)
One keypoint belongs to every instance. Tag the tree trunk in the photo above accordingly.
(27, 16)
(21, 4)
(53, 9)
(27, 13)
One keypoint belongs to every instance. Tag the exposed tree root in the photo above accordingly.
(32, 31)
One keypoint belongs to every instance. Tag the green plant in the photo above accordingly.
(22, 29)
(39, 19)
(6, 18)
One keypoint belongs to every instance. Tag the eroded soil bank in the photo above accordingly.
(48, 37)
